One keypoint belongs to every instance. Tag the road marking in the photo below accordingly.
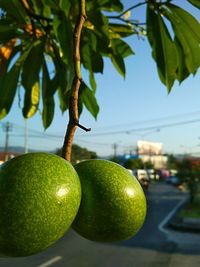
(169, 216)
(50, 262)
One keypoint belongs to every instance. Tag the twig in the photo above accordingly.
(125, 11)
(33, 15)
(73, 101)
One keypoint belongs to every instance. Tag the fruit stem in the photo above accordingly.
(73, 100)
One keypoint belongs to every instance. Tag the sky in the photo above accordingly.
(131, 109)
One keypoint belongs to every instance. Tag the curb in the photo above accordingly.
(184, 224)
(170, 217)
(178, 223)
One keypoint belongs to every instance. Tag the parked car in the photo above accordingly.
(142, 177)
(174, 180)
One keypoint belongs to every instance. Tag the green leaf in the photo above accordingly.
(101, 26)
(65, 6)
(61, 80)
(118, 51)
(182, 71)
(37, 6)
(14, 9)
(92, 81)
(91, 60)
(183, 17)
(122, 48)
(64, 34)
(8, 87)
(42, 7)
(60, 71)
(187, 32)
(119, 64)
(47, 98)
(7, 32)
(120, 30)
(63, 31)
(87, 97)
(195, 3)
(114, 5)
(30, 78)
(163, 48)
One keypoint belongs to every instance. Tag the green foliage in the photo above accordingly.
(176, 57)
(189, 172)
(134, 164)
(80, 153)
(36, 48)
(172, 162)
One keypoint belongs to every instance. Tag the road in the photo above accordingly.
(153, 246)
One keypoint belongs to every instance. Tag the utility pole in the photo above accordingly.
(115, 150)
(7, 129)
(25, 137)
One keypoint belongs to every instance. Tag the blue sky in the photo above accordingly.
(139, 103)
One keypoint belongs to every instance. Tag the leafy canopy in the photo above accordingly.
(36, 48)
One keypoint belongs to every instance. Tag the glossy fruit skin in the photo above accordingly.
(113, 205)
(40, 195)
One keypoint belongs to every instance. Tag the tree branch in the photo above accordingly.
(129, 9)
(73, 101)
(32, 14)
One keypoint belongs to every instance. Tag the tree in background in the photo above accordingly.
(79, 154)
(189, 172)
(172, 162)
(134, 164)
(45, 43)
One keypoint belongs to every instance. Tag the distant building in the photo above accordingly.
(153, 152)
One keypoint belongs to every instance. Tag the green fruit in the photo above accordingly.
(40, 195)
(113, 204)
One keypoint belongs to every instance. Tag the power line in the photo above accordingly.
(172, 117)
(155, 127)
(39, 134)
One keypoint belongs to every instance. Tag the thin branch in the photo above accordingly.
(129, 9)
(33, 15)
(73, 101)
(83, 127)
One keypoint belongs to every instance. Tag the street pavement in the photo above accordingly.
(155, 245)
